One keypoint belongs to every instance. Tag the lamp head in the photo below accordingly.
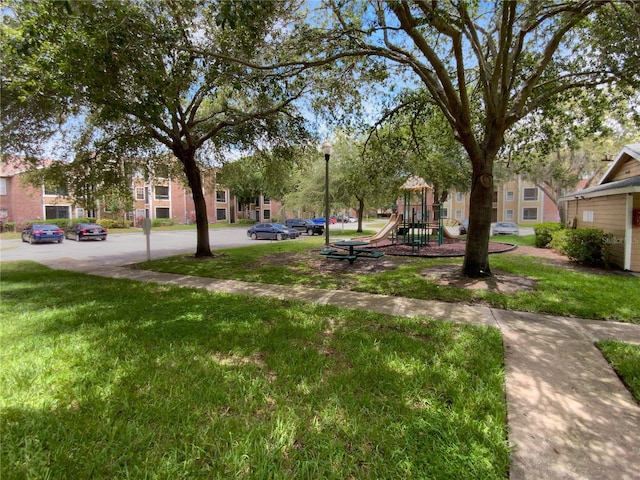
(326, 148)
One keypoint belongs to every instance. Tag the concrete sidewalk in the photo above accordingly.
(569, 415)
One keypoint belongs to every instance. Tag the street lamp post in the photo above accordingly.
(326, 149)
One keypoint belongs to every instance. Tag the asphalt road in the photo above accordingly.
(122, 248)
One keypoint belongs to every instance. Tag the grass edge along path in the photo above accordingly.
(107, 378)
(558, 291)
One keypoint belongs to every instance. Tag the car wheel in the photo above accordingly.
(23, 240)
(77, 239)
(103, 238)
(254, 236)
(310, 232)
(31, 240)
(278, 236)
(60, 241)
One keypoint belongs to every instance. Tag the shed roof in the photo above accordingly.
(608, 187)
(627, 152)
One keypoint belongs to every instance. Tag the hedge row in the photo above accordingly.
(65, 223)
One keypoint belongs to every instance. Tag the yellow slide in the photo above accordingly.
(393, 222)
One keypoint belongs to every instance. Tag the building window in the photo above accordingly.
(266, 200)
(221, 214)
(80, 213)
(4, 213)
(511, 196)
(530, 194)
(587, 216)
(140, 193)
(445, 212)
(508, 214)
(221, 196)
(459, 197)
(266, 214)
(57, 211)
(55, 191)
(458, 214)
(529, 214)
(3, 186)
(163, 212)
(161, 193)
(140, 213)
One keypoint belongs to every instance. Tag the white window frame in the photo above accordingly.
(3, 186)
(511, 196)
(508, 214)
(140, 193)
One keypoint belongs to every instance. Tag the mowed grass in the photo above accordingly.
(559, 291)
(625, 360)
(105, 378)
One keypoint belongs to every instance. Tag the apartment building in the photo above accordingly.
(517, 201)
(21, 202)
(160, 198)
(166, 198)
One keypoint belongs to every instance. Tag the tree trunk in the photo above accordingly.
(476, 257)
(194, 177)
(360, 214)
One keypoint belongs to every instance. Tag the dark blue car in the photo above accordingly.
(42, 232)
(271, 231)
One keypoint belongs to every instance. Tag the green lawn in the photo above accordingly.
(105, 378)
(558, 290)
(625, 360)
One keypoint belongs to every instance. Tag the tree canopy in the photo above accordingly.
(139, 78)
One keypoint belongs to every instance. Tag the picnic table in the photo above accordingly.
(354, 251)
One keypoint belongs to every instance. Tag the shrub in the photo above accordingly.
(63, 223)
(559, 241)
(82, 220)
(544, 233)
(162, 222)
(110, 223)
(245, 221)
(587, 246)
(8, 226)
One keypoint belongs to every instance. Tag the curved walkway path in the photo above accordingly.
(570, 416)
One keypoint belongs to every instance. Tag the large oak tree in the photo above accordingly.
(146, 77)
(486, 65)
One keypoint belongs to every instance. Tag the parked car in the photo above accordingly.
(84, 231)
(346, 219)
(42, 232)
(269, 231)
(305, 226)
(321, 220)
(293, 233)
(464, 227)
(505, 228)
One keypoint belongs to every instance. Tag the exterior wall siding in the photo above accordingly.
(635, 238)
(609, 214)
(630, 168)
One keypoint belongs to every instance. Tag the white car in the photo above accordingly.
(505, 228)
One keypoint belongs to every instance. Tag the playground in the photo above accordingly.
(420, 228)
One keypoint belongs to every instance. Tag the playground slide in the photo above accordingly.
(394, 219)
(448, 233)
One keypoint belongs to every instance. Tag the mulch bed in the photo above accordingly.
(449, 248)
